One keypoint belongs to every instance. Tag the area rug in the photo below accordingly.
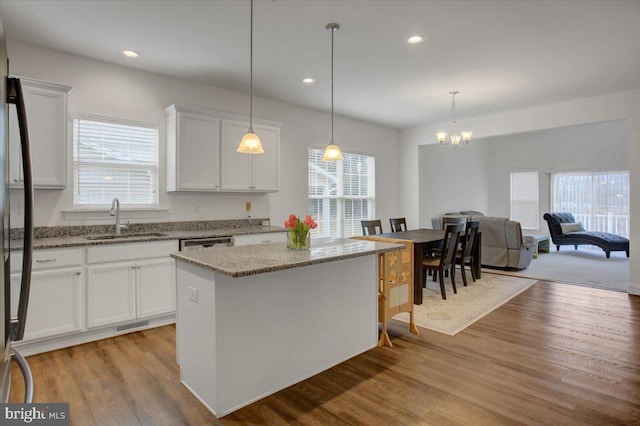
(587, 266)
(459, 311)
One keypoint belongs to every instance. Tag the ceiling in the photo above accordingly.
(500, 55)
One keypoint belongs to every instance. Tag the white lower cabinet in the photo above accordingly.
(56, 297)
(111, 293)
(156, 287)
(120, 291)
(55, 302)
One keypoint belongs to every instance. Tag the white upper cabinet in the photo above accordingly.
(250, 172)
(46, 105)
(202, 156)
(193, 150)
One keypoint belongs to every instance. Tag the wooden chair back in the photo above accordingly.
(469, 239)
(371, 227)
(450, 245)
(398, 224)
(453, 220)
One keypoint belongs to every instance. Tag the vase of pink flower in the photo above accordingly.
(298, 238)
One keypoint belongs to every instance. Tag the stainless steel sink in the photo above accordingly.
(124, 236)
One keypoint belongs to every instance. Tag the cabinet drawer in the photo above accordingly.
(266, 238)
(131, 251)
(47, 259)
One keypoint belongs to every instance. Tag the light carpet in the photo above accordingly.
(586, 266)
(459, 311)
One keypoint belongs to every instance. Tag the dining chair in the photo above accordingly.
(447, 220)
(446, 260)
(371, 227)
(398, 224)
(465, 253)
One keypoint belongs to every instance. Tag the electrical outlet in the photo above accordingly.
(193, 294)
(247, 206)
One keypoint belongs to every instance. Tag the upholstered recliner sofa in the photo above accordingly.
(576, 235)
(503, 245)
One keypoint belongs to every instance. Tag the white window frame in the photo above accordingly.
(341, 198)
(154, 169)
(528, 198)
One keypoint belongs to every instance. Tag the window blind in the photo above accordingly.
(524, 199)
(341, 193)
(114, 159)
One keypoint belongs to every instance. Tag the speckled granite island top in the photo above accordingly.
(78, 236)
(241, 261)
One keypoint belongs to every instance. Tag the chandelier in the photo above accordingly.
(456, 138)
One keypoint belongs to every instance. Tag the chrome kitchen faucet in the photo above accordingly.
(115, 211)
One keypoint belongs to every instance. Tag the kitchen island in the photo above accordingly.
(256, 319)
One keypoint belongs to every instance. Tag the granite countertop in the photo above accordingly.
(241, 261)
(78, 236)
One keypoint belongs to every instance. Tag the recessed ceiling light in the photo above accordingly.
(415, 39)
(131, 53)
(308, 80)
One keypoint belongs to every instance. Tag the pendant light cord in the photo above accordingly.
(251, 72)
(332, 31)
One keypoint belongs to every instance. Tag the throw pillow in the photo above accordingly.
(571, 227)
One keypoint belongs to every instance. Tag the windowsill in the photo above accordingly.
(104, 214)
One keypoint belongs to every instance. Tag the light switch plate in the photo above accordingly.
(247, 206)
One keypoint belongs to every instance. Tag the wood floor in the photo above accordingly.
(556, 354)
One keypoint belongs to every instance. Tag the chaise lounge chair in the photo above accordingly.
(575, 235)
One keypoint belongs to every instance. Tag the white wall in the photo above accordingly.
(478, 176)
(616, 106)
(589, 147)
(113, 91)
(452, 180)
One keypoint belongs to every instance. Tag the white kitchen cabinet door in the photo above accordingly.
(193, 151)
(156, 287)
(111, 293)
(56, 302)
(265, 167)
(46, 106)
(235, 167)
(249, 172)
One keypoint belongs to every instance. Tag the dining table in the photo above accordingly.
(425, 240)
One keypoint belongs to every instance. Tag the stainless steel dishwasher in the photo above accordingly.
(197, 243)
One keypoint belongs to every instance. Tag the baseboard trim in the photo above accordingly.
(27, 348)
(635, 290)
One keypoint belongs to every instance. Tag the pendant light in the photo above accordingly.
(250, 143)
(332, 151)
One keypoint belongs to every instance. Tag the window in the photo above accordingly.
(599, 200)
(114, 159)
(524, 199)
(341, 193)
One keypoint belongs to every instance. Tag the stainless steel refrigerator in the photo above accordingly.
(12, 327)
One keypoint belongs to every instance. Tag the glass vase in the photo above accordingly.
(298, 240)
